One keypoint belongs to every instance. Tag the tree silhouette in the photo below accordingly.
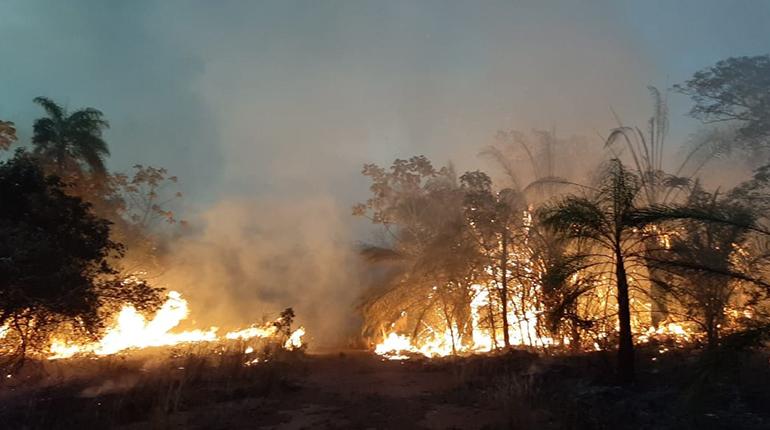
(736, 89)
(70, 142)
(54, 261)
(606, 222)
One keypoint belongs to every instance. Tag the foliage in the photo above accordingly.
(734, 90)
(70, 142)
(708, 260)
(499, 226)
(142, 193)
(54, 260)
(7, 134)
(421, 209)
(604, 223)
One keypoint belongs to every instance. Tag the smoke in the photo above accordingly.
(253, 258)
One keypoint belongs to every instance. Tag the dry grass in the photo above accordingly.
(159, 388)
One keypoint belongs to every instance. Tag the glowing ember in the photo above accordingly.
(132, 330)
(670, 330)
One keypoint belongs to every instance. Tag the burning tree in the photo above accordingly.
(707, 260)
(606, 223)
(500, 223)
(421, 210)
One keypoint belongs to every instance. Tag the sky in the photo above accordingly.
(293, 96)
(266, 111)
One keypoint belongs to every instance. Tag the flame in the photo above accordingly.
(133, 331)
(437, 337)
(394, 345)
(670, 330)
(524, 318)
(295, 339)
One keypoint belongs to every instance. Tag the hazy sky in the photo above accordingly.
(275, 97)
(267, 110)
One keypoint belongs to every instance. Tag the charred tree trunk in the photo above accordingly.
(711, 336)
(574, 345)
(626, 342)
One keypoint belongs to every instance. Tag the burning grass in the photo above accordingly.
(132, 330)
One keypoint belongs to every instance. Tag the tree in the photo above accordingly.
(497, 220)
(606, 222)
(69, 142)
(420, 208)
(138, 205)
(55, 272)
(705, 257)
(537, 257)
(71, 146)
(7, 134)
(736, 89)
(646, 150)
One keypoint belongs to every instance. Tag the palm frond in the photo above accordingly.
(55, 111)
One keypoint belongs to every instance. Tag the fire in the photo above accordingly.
(522, 331)
(295, 339)
(670, 330)
(438, 336)
(394, 345)
(133, 331)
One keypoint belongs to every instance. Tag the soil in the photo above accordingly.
(351, 390)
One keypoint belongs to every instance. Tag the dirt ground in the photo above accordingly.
(351, 390)
(359, 390)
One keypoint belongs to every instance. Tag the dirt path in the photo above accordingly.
(357, 390)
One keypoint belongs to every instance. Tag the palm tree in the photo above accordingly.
(646, 149)
(69, 142)
(605, 222)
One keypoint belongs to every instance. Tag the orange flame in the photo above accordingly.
(132, 331)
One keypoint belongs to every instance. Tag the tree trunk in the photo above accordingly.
(626, 342)
(574, 345)
(712, 333)
(658, 308)
(504, 290)
(492, 325)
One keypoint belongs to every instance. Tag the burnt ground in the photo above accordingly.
(358, 390)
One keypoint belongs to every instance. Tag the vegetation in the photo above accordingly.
(55, 268)
(77, 241)
(633, 255)
(734, 90)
